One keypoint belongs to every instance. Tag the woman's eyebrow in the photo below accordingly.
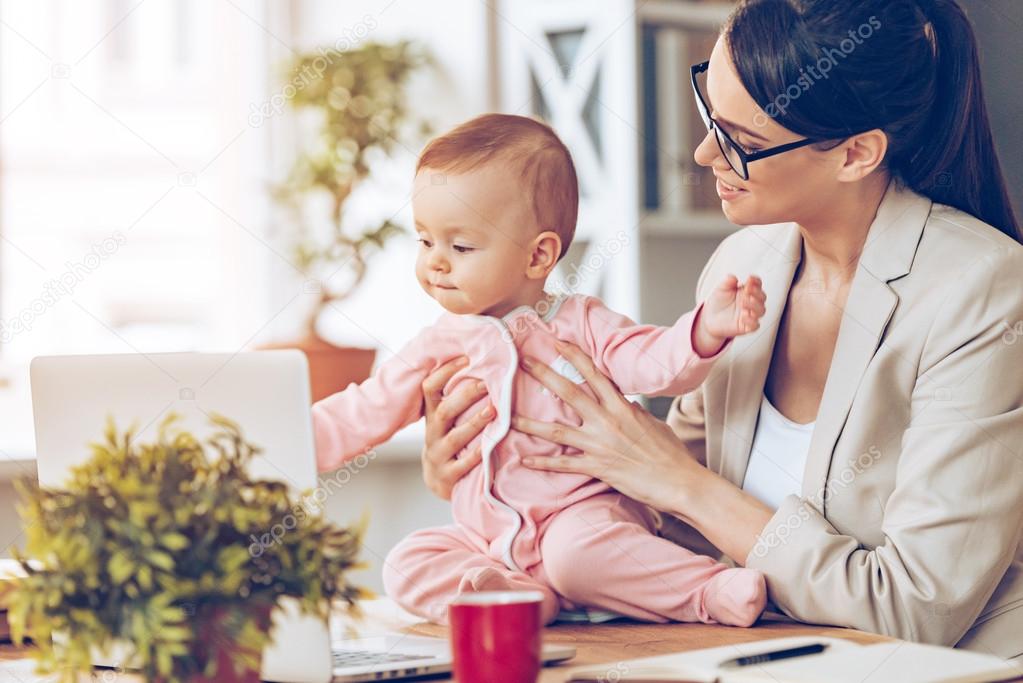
(741, 129)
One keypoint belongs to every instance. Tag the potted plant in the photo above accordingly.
(359, 98)
(148, 551)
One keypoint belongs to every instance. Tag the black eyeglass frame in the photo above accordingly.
(719, 132)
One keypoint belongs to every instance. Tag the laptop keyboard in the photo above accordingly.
(373, 658)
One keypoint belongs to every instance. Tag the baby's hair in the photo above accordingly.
(544, 161)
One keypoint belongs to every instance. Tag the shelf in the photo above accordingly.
(703, 15)
(17, 440)
(673, 224)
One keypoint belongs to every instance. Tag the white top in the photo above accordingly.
(778, 456)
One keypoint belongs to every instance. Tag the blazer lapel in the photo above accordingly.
(750, 357)
(887, 255)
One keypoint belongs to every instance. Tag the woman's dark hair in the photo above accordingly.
(829, 69)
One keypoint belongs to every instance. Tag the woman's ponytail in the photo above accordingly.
(955, 161)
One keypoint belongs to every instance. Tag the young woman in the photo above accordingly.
(864, 449)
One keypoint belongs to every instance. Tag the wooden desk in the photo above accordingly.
(608, 643)
(595, 644)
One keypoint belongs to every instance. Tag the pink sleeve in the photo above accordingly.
(645, 359)
(356, 419)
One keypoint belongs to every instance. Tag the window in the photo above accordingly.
(134, 211)
(133, 203)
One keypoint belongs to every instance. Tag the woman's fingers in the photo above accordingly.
(459, 400)
(563, 387)
(441, 414)
(558, 463)
(458, 437)
(433, 385)
(553, 431)
(606, 390)
(461, 466)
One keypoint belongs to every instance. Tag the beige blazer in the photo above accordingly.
(909, 519)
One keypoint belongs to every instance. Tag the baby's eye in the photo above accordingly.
(461, 249)
(425, 242)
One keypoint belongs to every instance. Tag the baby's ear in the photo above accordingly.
(544, 252)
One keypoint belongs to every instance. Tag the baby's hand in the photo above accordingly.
(730, 310)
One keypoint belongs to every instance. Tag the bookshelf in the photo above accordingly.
(612, 77)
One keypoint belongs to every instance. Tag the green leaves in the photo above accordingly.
(120, 566)
(358, 98)
(155, 544)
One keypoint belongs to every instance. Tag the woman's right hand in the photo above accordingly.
(444, 440)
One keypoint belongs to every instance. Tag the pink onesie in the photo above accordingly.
(570, 536)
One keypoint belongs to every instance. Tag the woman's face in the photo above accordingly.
(781, 188)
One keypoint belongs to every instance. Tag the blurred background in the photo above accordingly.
(221, 175)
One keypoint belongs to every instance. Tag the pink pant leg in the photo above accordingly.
(430, 567)
(602, 552)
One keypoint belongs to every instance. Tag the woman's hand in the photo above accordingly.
(621, 443)
(444, 440)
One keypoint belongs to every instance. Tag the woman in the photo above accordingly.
(863, 449)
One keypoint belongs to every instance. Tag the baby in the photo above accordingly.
(495, 203)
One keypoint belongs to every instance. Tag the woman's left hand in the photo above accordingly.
(621, 443)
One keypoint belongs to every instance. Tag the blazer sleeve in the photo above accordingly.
(953, 521)
(365, 415)
(645, 359)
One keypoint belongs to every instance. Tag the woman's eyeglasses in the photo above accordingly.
(737, 157)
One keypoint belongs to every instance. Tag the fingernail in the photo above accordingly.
(528, 462)
(558, 344)
(488, 411)
(481, 386)
(464, 360)
(526, 363)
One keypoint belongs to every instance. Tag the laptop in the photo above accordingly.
(267, 394)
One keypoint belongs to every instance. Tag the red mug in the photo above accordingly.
(495, 636)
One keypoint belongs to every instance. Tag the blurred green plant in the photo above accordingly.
(361, 99)
(149, 545)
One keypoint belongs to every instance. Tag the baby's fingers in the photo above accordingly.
(754, 308)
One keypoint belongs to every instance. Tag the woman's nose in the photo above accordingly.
(708, 153)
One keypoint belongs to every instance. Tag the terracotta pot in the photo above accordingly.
(226, 672)
(331, 368)
(216, 641)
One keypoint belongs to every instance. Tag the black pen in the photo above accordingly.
(771, 656)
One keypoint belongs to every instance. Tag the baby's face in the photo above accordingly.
(475, 231)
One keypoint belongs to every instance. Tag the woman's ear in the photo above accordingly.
(863, 154)
(544, 251)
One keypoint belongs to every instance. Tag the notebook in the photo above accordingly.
(842, 662)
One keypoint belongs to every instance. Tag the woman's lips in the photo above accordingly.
(729, 192)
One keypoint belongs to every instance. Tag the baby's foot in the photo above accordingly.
(736, 596)
(480, 579)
